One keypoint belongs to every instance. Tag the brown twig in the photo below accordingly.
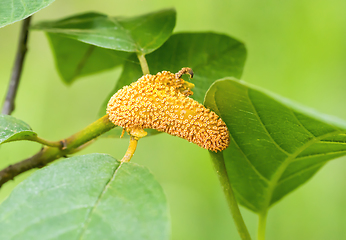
(8, 106)
(49, 154)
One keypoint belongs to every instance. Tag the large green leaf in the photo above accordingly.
(14, 10)
(276, 145)
(13, 129)
(86, 197)
(75, 59)
(142, 34)
(210, 55)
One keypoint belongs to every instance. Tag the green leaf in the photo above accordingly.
(276, 145)
(142, 34)
(14, 10)
(86, 197)
(75, 59)
(210, 55)
(13, 129)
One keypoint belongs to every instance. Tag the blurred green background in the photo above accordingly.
(296, 48)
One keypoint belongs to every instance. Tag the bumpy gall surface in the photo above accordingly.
(162, 102)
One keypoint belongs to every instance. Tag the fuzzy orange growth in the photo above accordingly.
(161, 102)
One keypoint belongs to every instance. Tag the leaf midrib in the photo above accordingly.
(90, 33)
(118, 23)
(264, 127)
(90, 213)
(82, 62)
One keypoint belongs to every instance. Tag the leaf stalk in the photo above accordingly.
(262, 220)
(221, 171)
(144, 64)
(57, 144)
(131, 149)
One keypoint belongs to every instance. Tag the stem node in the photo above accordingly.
(56, 150)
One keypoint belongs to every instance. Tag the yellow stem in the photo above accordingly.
(131, 149)
(262, 225)
(57, 144)
(144, 64)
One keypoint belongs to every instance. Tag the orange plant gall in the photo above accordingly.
(162, 102)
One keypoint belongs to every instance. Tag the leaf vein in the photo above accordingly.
(318, 154)
(62, 232)
(264, 127)
(300, 172)
(250, 163)
(332, 142)
(301, 124)
(239, 195)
